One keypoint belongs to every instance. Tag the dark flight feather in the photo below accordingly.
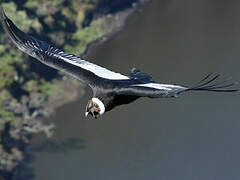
(206, 84)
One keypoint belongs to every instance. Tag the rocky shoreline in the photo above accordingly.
(33, 108)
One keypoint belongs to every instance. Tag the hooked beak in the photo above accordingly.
(95, 116)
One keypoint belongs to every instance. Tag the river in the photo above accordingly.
(193, 137)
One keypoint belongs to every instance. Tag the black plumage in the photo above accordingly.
(110, 89)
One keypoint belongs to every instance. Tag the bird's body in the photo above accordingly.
(110, 89)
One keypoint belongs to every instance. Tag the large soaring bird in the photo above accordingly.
(110, 89)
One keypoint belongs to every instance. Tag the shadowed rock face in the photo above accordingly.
(108, 7)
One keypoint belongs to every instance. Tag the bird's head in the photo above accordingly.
(95, 108)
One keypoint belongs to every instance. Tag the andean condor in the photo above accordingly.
(110, 89)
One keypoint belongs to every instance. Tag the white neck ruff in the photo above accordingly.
(100, 104)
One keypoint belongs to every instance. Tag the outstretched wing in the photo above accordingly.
(155, 90)
(84, 71)
(152, 90)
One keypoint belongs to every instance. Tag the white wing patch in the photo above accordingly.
(167, 87)
(97, 70)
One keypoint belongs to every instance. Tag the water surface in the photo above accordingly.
(193, 137)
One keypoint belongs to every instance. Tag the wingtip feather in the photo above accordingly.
(10, 28)
(3, 15)
(207, 84)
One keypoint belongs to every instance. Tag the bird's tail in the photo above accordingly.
(212, 83)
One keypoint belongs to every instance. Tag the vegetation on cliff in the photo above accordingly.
(27, 86)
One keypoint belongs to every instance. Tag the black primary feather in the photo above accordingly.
(206, 84)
